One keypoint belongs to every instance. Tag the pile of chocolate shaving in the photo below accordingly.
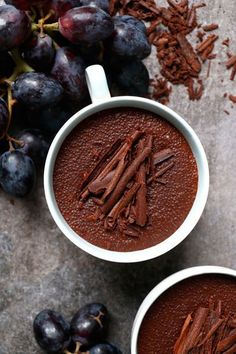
(180, 62)
(208, 330)
(161, 90)
(119, 182)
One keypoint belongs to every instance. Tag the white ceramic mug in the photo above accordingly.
(164, 286)
(101, 100)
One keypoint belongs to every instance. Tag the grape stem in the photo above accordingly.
(47, 27)
(41, 22)
(21, 65)
(77, 349)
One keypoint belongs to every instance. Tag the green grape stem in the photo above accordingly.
(47, 27)
(21, 65)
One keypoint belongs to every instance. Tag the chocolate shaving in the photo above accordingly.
(127, 176)
(188, 52)
(211, 27)
(232, 98)
(118, 208)
(162, 156)
(160, 173)
(140, 205)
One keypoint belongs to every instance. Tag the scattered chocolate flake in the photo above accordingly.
(232, 98)
(161, 90)
(211, 27)
(226, 42)
(226, 112)
(118, 183)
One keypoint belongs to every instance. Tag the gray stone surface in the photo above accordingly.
(40, 268)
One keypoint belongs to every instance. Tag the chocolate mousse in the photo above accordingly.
(125, 179)
(195, 316)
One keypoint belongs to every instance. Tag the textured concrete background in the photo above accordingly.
(40, 268)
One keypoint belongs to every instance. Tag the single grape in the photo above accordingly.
(39, 52)
(26, 4)
(69, 70)
(51, 331)
(14, 27)
(106, 348)
(129, 38)
(60, 7)
(34, 145)
(87, 24)
(6, 64)
(50, 120)
(4, 116)
(89, 324)
(102, 4)
(17, 173)
(36, 90)
(131, 76)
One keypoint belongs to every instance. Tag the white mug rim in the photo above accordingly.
(166, 284)
(195, 212)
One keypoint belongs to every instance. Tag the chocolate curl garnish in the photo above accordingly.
(98, 186)
(112, 217)
(126, 177)
(207, 42)
(178, 347)
(231, 350)
(162, 156)
(96, 170)
(188, 52)
(119, 162)
(141, 196)
(212, 331)
(160, 173)
(192, 337)
(227, 342)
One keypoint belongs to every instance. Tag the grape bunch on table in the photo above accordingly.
(45, 46)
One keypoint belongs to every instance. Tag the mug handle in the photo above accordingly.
(97, 83)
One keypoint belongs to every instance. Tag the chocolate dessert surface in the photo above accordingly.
(195, 316)
(125, 179)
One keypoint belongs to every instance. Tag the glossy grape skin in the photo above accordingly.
(6, 65)
(89, 324)
(39, 52)
(86, 24)
(51, 119)
(14, 29)
(129, 38)
(51, 331)
(17, 173)
(131, 76)
(4, 116)
(36, 90)
(106, 348)
(34, 145)
(26, 4)
(69, 70)
(102, 4)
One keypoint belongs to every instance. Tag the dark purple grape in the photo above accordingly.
(87, 24)
(69, 70)
(6, 64)
(89, 324)
(51, 331)
(60, 7)
(50, 120)
(34, 145)
(106, 348)
(14, 29)
(36, 90)
(131, 77)
(4, 116)
(102, 4)
(17, 173)
(39, 52)
(129, 38)
(26, 4)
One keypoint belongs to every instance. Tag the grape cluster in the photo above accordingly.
(85, 334)
(45, 46)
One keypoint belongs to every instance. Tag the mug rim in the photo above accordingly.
(195, 212)
(164, 286)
